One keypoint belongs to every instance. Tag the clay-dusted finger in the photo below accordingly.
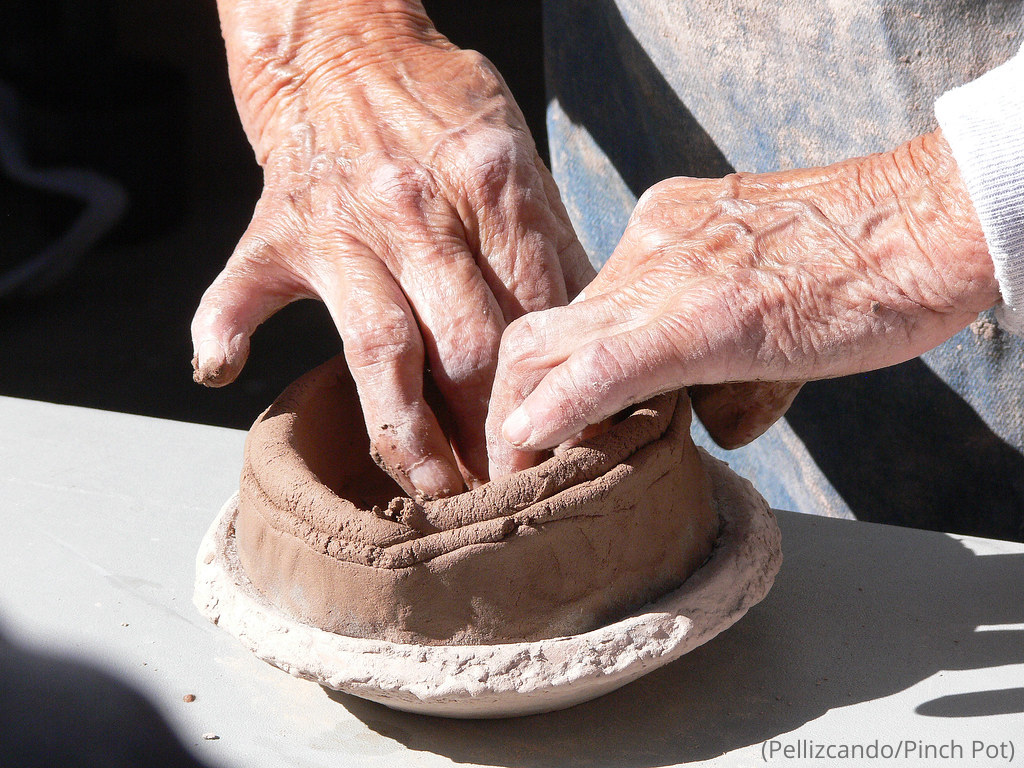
(461, 326)
(737, 413)
(253, 285)
(533, 347)
(595, 382)
(385, 354)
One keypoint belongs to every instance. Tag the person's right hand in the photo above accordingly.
(402, 187)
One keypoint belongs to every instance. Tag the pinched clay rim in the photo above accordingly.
(484, 681)
(338, 527)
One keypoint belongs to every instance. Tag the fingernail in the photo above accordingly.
(209, 361)
(430, 479)
(517, 427)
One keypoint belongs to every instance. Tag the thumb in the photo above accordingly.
(596, 381)
(252, 286)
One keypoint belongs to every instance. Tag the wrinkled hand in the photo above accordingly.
(402, 187)
(773, 277)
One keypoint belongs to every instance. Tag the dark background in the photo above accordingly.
(139, 92)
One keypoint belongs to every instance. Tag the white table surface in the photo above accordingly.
(872, 635)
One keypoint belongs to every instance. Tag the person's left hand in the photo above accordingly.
(777, 277)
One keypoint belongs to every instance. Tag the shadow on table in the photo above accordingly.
(60, 711)
(858, 612)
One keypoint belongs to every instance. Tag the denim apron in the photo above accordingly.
(641, 90)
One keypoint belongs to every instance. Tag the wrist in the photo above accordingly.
(284, 55)
(941, 225)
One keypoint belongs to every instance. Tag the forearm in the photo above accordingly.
(943, 225)
(285, 54)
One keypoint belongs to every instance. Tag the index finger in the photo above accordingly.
(385, 354)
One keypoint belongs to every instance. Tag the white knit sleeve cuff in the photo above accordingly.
(983, 122)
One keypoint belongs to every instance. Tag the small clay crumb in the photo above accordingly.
(984, 328)
(408, 512)
(124, 623)
(211, 736)
(207, 377)
(188, 698)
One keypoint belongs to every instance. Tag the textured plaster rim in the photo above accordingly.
(516, 678)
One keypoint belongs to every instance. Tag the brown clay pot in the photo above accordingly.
(565, 547)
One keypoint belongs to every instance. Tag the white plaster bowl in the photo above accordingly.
(483, 681)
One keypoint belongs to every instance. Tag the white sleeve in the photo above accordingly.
(983, 122)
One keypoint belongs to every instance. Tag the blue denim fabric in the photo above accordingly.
(640, 90)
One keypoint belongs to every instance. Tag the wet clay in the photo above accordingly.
(559, 549)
